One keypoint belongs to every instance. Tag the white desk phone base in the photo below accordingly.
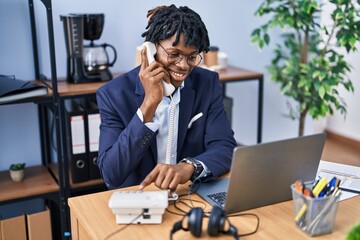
(144, 207)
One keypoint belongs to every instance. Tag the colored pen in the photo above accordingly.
(307, 192)
(336, 192)
(299, 186)
(316, 181)
(319, 187)
(301, 213)
(337, 184)
(331, 186)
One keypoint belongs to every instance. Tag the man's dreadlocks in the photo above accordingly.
(165, 21)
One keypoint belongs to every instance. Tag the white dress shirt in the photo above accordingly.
(160, 123)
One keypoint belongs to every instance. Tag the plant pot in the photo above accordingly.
(17, 175)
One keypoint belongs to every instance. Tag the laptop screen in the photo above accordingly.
(261, 174)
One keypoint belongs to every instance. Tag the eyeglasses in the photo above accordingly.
(174, 58)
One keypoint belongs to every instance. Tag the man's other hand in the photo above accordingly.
(168, 176)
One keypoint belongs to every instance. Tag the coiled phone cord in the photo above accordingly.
(170, 132)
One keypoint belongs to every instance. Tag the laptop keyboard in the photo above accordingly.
(219, 198)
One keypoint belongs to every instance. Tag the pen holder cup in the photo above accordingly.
(315, 216)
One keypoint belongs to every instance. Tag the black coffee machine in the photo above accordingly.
(86, 63)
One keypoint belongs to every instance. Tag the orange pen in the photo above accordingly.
(307, 193)
(299, 186)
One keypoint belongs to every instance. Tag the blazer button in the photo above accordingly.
(143, 143)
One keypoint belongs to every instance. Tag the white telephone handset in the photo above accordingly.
(150, 52)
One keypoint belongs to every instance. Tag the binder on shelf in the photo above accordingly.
(75, 127)
(12, 89)
(92, 134)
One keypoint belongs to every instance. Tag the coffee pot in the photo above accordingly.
(86, 63)
(96, 57)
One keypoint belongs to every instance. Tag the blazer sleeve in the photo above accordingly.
(124, 140)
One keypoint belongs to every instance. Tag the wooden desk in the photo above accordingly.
(229, 75)
(91, 218)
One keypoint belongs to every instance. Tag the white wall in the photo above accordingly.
(229, 24)
(347, 125)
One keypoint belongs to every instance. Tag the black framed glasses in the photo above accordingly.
(174, 58)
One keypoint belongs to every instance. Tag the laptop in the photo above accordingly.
(261, 174)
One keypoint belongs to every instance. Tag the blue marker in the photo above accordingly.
(332, 186)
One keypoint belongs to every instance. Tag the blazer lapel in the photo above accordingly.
(185, 110)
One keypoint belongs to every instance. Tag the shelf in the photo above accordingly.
(71, 89)
(90, 183)
(37, 181)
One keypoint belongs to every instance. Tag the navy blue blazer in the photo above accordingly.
(128, 152)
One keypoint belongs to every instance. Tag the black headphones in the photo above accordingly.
(218, 223)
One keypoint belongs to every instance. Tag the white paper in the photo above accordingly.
(349, 176)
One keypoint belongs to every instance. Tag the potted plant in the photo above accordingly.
(309, 64)
(17, 171)
(354, 233)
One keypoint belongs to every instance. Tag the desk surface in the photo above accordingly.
(91, 218)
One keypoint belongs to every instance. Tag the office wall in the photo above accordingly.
(347, 125)
(229, 25)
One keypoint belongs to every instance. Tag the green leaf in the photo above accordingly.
(322, 75)
(316, 74)
(256, 32)
(339, 15)
(267, 39)
(261, 43)
(17, 166)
